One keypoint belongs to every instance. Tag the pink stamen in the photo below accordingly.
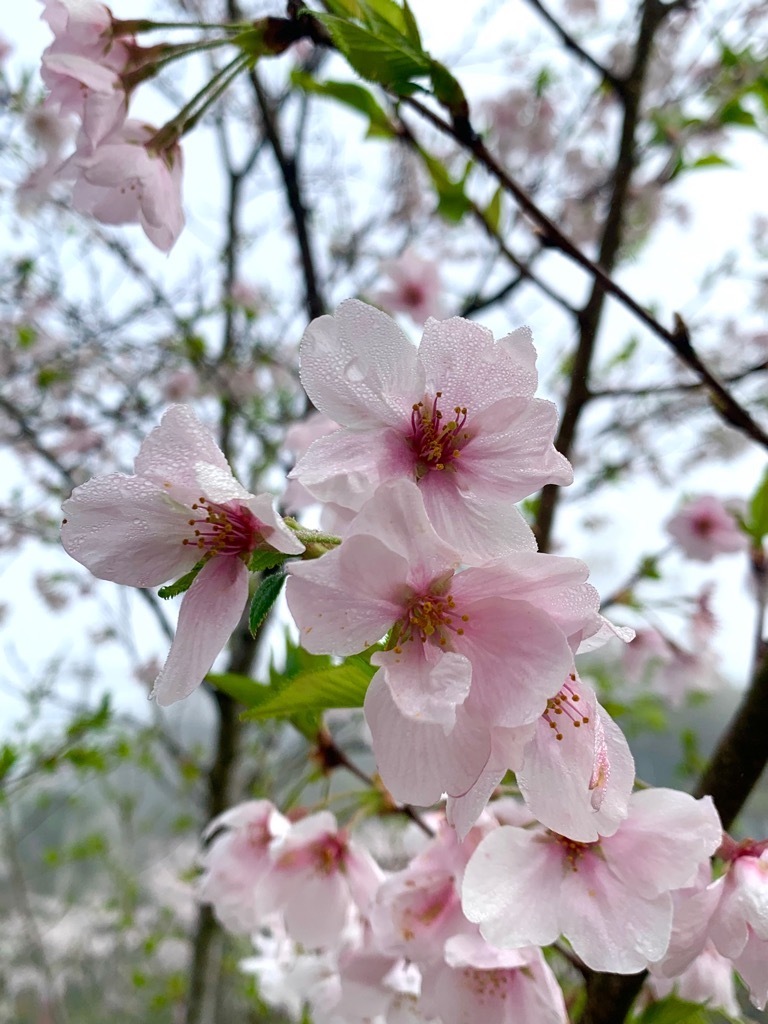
(227, 529)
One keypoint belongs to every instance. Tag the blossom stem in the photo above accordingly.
(191, 112)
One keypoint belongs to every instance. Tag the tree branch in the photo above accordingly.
(570, 43)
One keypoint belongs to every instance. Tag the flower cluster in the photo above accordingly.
(473, 635)
(123, 170)
(337, 934)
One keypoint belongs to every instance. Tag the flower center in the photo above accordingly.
(561, 709)
(229, 529)
(430, 617)
(329, 855)
(573, 850)
(412, 294)
(435, 443)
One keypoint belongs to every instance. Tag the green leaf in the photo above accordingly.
(263, 600)
(734, 113)
(411, 26)
(8, 757)
(447, 90)
(244, 689)
(252, 40)
(182, 585)
(26, 335)
(385, 56)
(711, 160)
(338, 686)
(649, 568)
(453, 203)
(624, 354)
(492, 212)
(92, 720)
(352, 95)
(757, 514)
(382, 14)
(344, 8)
(678, 1011)
(266, 559)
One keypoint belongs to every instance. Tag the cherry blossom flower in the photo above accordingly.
(127, 180)
(739, 923)
(708, 979)
(319, 876)
(577, 772)
(375, 988)
(477, 982)
(644, 654)
(182, 507)
(298, 438)
(82, 66)
(705, 528)
(290, 978)
(457, 417)
(573, 766)
(418, 909)
(415, 288)
(611, 899)
(237, 862)
(468, 651)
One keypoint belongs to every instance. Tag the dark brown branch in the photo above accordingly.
(676, 338)
(570, 43)
(673, 389)
(460, 129)
(742, 753)
(289, 172)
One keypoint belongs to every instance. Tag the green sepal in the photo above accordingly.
(262, 601)
(182, 584)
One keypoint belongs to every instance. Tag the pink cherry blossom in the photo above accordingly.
(375, 988)
(82, 66)
(577, 772)
(127, 180)
(418, 909)
(610, 899)
(708, 979)
(415, 287)
(752, 967)
(292, 979)
(319, 876)
(692, 909)
(573, 767)
(182, 507)
(644, 654)
(298, 438)
(457, 417)
(705, 528)
(477, 982)
(739, 923)
(237, 862)
(468, 651)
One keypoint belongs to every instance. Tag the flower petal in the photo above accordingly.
(418, 761)
(359, 368)
(210, 612)
(127, 529)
